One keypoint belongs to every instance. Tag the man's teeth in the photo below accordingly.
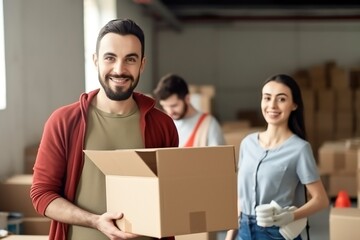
(118, 79)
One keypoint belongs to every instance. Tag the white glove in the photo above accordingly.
(273, 214)
(265, 221)
(291, 209)
(283, 218)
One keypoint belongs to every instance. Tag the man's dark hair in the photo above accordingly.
(171, 84)
(122, 27)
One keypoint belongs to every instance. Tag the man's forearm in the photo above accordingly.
(64, 211)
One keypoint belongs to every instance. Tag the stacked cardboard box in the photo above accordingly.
(357, 112)
(15, 197)
(338, 162)
(356, 147)
(343, 86)
(329, 92)
(344, 222)
(313, 81)
(29, 158)
(201, 96)
(325, 116)
(235, 137)
(340, 78)
(3, 220)
(235, 131)
(318, 76)
(232, 126)
(309, 96)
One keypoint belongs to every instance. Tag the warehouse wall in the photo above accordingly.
(44, 64)
(238, 57)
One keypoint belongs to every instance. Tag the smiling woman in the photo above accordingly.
(2, 60)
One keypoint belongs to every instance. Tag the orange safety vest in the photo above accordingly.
(190, 141)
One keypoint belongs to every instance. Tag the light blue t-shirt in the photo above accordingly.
(274, 174)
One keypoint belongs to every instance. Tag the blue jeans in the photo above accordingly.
(249, 230)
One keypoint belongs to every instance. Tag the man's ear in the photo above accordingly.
(187, 98)
(95, 59)
(143, 63)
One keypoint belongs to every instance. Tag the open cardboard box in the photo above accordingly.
(170, 191)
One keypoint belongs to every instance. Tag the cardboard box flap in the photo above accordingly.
(150, 162)
(124, 162)
(210, 161)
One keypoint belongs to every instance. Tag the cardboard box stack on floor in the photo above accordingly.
(357, 112)
(171, 191)
(338, 162)
(29, 158)
(331, 102)
(235, 131)
(201, 97)
(15, 197)
(233, 126)
(345, 222)
(309, 98)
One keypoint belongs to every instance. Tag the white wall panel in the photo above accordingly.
(238, 57)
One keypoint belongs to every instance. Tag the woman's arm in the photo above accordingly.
(318, 200)
(231, 234)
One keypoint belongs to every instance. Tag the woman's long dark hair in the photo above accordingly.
(296, 119)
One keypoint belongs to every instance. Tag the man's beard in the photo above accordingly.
(119, 94)
(183, 113)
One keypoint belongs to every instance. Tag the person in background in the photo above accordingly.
(196, 129)
(67, 187)
(276, 165)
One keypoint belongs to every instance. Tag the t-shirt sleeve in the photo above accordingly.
(307, 169)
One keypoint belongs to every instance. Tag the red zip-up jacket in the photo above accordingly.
(60, 157)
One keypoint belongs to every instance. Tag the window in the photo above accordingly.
(2, 60)
(96, 14)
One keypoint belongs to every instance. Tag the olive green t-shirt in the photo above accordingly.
(105, 131)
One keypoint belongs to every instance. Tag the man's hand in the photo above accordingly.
(105, 224)
(283, 218)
